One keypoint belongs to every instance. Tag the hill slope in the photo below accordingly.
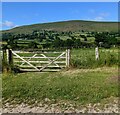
(75, 25)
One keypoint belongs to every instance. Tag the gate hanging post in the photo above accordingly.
(10, 58)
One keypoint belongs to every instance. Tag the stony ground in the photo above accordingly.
(111, 107)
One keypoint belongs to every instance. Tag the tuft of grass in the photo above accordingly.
(79, 86)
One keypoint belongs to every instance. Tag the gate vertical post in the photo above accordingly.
(7, 56)
(10, 57)
(68, 58)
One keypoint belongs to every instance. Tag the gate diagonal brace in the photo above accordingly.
(52, 61)
(26, 61)
(49, 59)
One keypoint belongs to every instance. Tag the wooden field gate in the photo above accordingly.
(39, 60)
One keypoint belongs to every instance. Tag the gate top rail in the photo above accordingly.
(36, 52)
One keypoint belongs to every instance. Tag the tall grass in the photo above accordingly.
(85, 58)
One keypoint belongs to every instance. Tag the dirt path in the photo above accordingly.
(65, 108)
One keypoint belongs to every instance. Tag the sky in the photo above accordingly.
(60, 0)
(25, 13)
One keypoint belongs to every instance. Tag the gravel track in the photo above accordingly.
(68, 108)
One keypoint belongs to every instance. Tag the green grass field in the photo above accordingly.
(85, 58)
(80, 86)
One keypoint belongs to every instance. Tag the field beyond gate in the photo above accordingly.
(41, 60)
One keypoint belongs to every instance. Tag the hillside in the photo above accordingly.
(74, 25)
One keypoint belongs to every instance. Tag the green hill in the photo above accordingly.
(74, 25)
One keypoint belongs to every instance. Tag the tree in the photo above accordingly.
(58, 42)
(69, 43)
(33, 44)
(77, 43)
(84, 37)
(106, 39)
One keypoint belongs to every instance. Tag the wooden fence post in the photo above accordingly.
(7, 60)
(7, 56)
(4, 68)
(68, 58)
(96, 53)
(10, 59)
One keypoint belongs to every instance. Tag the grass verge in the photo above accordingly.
(80, 86)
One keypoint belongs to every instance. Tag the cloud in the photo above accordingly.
(8, 24)
(98, 16)
(101, 16)
(104, 14)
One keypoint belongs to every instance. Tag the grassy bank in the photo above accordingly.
(80, 86)
(85, 58)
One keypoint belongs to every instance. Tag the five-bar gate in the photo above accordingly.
(40, 60)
